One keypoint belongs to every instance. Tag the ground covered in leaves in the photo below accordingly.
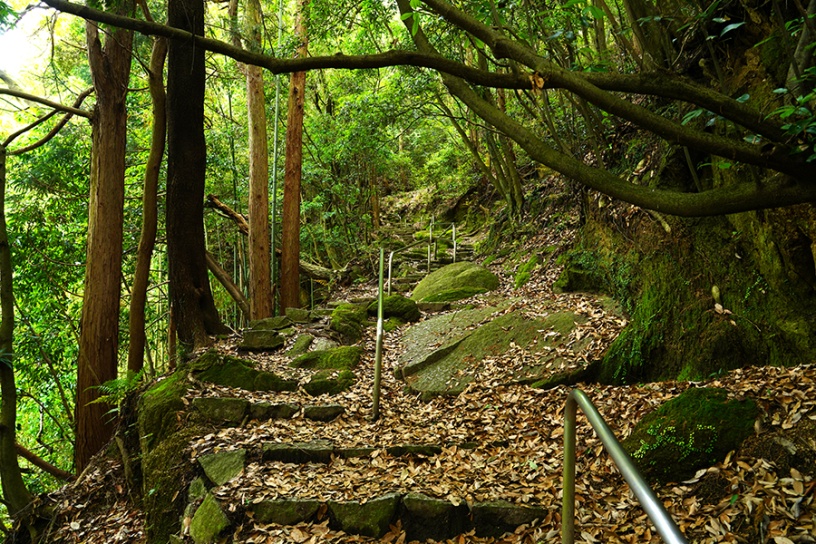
(514, 442)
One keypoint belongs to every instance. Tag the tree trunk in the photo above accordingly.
(147, 241)
(290, 279)
(15, 493)
(260, 257)
(99, 337)
(191, 300)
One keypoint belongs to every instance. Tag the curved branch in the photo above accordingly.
(777, 157)
(738, 198)
(41, 463)
(46, 102)
(53, 132)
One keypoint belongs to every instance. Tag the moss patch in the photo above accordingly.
(235, 372)
(327, 382)
(397, 306)
(525, 270)
(158, 409)
(348, 319)
(462, 280)
(695, 430)
(340, 358)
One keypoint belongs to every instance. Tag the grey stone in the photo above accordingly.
(316, 451)
(350, 453)
(498, 517)
(323, 412)
(268, 410)
(271, 323)
(208, 522)
(321, 343)
(369, 519)
(261, 340)
(299, 315)
(222, 410)
(223, 466)
(285, 511)
(425, 517)
(301, 345)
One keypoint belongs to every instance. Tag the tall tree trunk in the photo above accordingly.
(191, 300)
(99, 337)
(147, 241)
(260, 256)
(290, 279)
(15, 493)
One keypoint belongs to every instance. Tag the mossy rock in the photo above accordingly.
(692, 431)
(454, 282)
(285, 511)
(208, 522)
(262, 340)
(165, 468)
(158, 409)
(392, 324)
(524, 271)
(430, 518)
(222, 410)
(234, 372)
(397, 306)
(339, 358)
(301, 344)
(328, 382)
(348, 320)
(371, 518)
(271, 323)
(221, 467)
(299, 315)
(495, 518)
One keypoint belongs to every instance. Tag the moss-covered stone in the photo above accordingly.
(454, 282)
(316, 451)
(208, 522)
(299, 315)
(285, 511)
(347, 320)
(693, 431)
(323, 412)
(262, 340)
(329, 383)
(271, 323)
(397, 306)
(370, 519)
(197, 490)
(235, 372)
(223, 466)
(158, 409)
(166, 467)
(525, 270)
(340, 358)
(301, 345)
(222, 410)
(425, 518)
(268, 410)
(495, 518)
(392, 324)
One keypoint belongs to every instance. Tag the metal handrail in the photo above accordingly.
(661, 519)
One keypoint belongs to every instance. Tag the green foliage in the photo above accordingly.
(8, 17)
(523, 272)
(114, 392)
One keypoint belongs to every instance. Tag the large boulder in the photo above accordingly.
(692, 431)
(348, 320)
(455, 282)
(397, 306)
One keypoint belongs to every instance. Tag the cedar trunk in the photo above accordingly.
(99, 338)
(191, 300)
(290, 251)
(147, 241)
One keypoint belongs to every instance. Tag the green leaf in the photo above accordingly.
(692, 115)
(595, 12)
(479, 43)
(744, 98)
(780, 90)
(729, 28)
(406, 16)
(572, 3)
(415, 4)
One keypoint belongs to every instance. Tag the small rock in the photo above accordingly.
(301, 345)
(299, 315)
(208, 522)
(261, 340)
(340, 358)
(267, 410)
(323, 412)
(222, 410)
(316, 451)
(425, 518)
(370, 519)
(322, 383)
(196, 490)
(498, 517)
(223, 466)
(271, 323)
(285, 511)
(321, 343)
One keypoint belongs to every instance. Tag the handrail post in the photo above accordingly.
(454, 241)
(661, 519)
(390, 261)
(568, 492)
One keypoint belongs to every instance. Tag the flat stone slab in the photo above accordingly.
(223, 466)
(208, 522)
(271, 323)
(426, 517)
(261, 340)
(285, 511)
(499, 517)
(316, 451)
(323, 412)
(427, 450)
(222, 410)
(268, 410)
(371, 518)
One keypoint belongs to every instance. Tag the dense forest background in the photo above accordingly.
(681, 108)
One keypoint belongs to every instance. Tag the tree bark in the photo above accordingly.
(147, 241)
(15, 493)
(260, 257)
(290, 242)
(191, 299)
(99, 337)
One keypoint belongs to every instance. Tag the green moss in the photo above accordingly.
(166, 469)
(301, 344)
(234, 372)
(326, 382)
(452, 295)
(348, 319)
(524, 271)
(397, 306)
(158, 409)
(340, 358)
(693, 431)
(392, 324)
(463, 279)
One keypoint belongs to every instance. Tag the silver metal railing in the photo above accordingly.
(661, 519)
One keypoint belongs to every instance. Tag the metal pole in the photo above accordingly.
(454, 242)
(375, 413)
(390, 262)
(657, 513)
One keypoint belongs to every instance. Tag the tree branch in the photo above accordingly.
(46, 102)
(53, 132)
(40, 463)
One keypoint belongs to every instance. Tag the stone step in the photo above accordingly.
(235, 411)
(421, 516)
